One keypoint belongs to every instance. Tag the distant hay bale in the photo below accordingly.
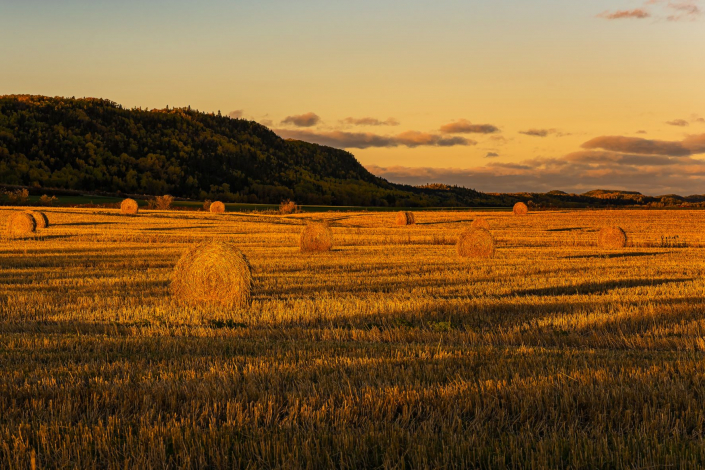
(129, 206)
(21, 223)
(213, 273)
(475, 243)
(405, 218)
(40, 218)
(520, 209)
(480, 223)
(612, 237)
(217, 207)
(316, 237)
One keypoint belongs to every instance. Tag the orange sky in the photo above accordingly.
(494, 95)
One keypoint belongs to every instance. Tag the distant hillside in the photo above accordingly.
(96, 145)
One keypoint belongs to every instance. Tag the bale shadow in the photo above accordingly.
(636, 254)
(567, 229)
(83, 223)
(596, 287)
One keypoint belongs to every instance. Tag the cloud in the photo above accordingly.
(363, 140)
(699, 120)
(369, 121)
(678, 122)
(684, 10)
(538, 132)
(638, 146)
(463, 126)
(267, 122)
(237, 114)
(302, 120)
(641, 132)
(491, 155)
(637, 13)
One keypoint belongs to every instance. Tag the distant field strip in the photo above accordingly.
(389, 351)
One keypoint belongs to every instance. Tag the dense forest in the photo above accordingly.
(96, 145)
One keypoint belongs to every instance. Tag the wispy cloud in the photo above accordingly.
(639, 146)
(363, 140)
(463, 126)
(637, 13)
(492, 155)
(302, 120)
(237, 114)
(369, 121)
(678, 122)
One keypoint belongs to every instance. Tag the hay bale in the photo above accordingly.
(480, 223)
(520, 209)
(405, 218)
(129, 206)
(40, 218)
(612, 237)
(475, 243)
(217, 207)
(21, 223)
(315, 237)
(213, 273)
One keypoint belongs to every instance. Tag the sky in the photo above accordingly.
(495, 95)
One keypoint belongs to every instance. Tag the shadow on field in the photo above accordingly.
(617, 255)
(597, 287)
(187, 227)
(567, 229)
(83, 223)
(446, 222)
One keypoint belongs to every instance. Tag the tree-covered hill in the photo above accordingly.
(97, 145)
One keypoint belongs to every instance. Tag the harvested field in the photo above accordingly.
(388, 351)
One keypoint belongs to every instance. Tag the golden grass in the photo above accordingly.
(405, 218)
(217, 207)
(212, 272)
(20, 223)
(520, 209)
(388, 352)
(316, 237)
(475, 243)
(612, 237)
(129, 206)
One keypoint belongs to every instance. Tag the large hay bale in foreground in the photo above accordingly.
(480, 223)
(316, 236)
(213, 273)
(21, 223)
(129, 206)
(405, 218)
(475, 243)
(217, 207)
(40, 218)
(612, 237)
(520, 209)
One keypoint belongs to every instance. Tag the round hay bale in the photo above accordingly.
(129, 206)
(480, 223)
(405, 218)
(21, 223)
(612, 237)
(40, 218)
(315, 237)
(520, 209)
(213, 273)
(475, 243)
(217, 207)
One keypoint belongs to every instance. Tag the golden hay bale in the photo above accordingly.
(129, 206)
(405, 218)
(520, 209)
(217, 207)
(612, 237)
(213, 273)
(21, 223)
(316, 236)
(40, 218)
(475, 243)
(480, 223)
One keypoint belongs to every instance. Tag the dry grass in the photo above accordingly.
(520, 209)
(41, 219)
(129, 206)
(612, 237)
(213, 273)
(217, 207)
(405, 218)
(316, 237)
(475, 243)
(388, 352)
(288, 207)
(20, 223)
